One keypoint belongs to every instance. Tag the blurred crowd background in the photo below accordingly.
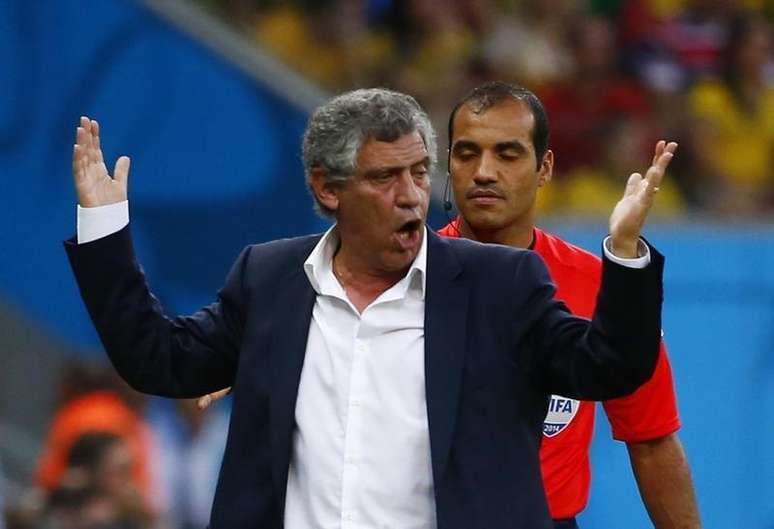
(80, 450)
(614, 75)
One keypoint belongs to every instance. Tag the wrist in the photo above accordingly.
(624, 247)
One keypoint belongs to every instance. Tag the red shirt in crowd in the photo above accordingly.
(648, 413)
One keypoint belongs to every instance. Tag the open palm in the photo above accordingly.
(94, 186)
(630, 213)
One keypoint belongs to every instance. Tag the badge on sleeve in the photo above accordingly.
(561, 412)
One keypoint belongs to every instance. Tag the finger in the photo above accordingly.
(80, 139)
(95, 141)
(76, 163)
(84, 169)
(80, 156)
(86, 139)
(77, 158)
(86, 126)
(220, 394)
(632, 184)
(121, 171)
(660, 145)
(656, 172)
(203, 402)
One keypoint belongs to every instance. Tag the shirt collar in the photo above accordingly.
(319, 267)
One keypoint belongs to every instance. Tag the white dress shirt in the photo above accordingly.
(361, 449)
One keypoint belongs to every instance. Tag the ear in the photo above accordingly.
(326, 192)
(546, 168)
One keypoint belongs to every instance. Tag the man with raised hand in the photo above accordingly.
(383, 376)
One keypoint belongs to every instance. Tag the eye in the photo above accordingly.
(419, 171)
(464, 154)
(510, 156)
(381, 177)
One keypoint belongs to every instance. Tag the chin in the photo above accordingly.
(479, 220)
(398, 262)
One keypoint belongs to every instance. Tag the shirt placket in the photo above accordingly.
(351, 475)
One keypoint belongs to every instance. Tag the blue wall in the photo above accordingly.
(719, 328)
(216, 166)
(216, 161)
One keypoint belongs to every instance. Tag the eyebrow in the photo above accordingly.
(512, 145)
(391, 169)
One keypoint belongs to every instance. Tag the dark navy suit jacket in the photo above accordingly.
(496, 344)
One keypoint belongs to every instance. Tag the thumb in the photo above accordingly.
(121, 171)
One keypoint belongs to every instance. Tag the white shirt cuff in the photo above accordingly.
(101, 221)
(638, 262)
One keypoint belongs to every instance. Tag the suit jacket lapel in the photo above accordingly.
(292, 317)
(446, 303)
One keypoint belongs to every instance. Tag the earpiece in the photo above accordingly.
(447, 205)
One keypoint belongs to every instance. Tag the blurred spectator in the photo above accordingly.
(591, 99)
(97, 490)
(526, 41)
(328, 40)
(669, 68)
(94, 399)
(438, 50)
(190, 449)
(733, 134)
(590, 190)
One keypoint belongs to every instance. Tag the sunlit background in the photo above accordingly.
(210, 99)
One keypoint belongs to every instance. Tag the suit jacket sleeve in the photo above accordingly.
(173, 357)
(614, 354)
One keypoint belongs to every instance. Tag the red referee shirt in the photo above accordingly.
(648, 413)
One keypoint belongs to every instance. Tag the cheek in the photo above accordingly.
(459, 181)
(523, 184)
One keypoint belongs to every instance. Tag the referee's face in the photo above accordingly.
(494, 172)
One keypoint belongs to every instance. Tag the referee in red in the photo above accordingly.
(498, 160)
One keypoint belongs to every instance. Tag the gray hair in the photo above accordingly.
(338, 129)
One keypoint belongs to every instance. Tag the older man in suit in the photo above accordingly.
(383, 376)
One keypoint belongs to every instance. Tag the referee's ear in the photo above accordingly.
(546, 171)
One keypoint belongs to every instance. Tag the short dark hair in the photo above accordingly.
(484, 97)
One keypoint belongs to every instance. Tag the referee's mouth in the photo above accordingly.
(484, 197)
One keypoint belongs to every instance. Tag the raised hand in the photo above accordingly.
(630, 213)
(94, 186)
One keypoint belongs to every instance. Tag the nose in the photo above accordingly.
(486, 171)
(407, 193)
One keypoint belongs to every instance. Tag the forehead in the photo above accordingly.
(507, 120)
(406, 151)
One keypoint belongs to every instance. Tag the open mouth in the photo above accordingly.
(408, 233)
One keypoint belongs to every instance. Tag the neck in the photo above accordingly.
(356, 272)
(517, 235)
(362, 281)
